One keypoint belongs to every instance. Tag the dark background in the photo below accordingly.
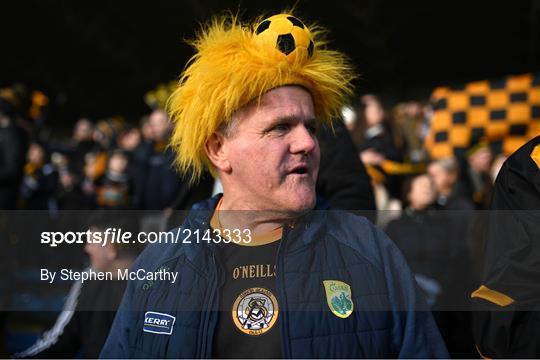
(98, 58)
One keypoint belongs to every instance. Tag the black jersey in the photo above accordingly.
(508, 299)
(247, 326)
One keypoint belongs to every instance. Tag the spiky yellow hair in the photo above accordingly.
(230, 69)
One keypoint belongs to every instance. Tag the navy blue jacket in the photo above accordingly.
(389, 318)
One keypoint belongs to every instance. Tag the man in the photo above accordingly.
(311, 284)
(82, 144)
(507, 300)
(40, 182)
(13, 146)
(474, 175)
(436, 250)
(444, 173)
(158, 186)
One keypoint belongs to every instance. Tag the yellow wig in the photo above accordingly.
(232, 68)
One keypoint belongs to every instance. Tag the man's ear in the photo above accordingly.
(217, 152)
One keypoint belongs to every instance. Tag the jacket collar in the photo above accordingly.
(302, 233)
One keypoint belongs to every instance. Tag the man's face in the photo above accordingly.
(422, 192)
(35, 154)
(83, 130)
(480, 160)
(442, 178)
(273, 153)
(160, 124)
(118, 163)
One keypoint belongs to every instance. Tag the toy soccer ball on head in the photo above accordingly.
(286, 34)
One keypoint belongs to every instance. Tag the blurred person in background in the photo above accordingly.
(94, 167)
(161, 128)
(379, 143)
(131, 141)
(355, 126)
(147, 132)
(81, 144)
(40, 182)
(106, 132)
(410, 122)
(160, 187)
(436, 250)
(444, 173)
(459, 209)
(114, 189)
(158, 182)
(82, 327)
(475, 180)
(419, 195)
(13, 148)
(69, 193)
(69, 160)
(83, 131)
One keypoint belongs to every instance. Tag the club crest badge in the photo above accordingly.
(339, 298)
(255, 311)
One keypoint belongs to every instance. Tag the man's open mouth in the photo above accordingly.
(299, 170)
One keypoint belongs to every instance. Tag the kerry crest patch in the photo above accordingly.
(339, 298)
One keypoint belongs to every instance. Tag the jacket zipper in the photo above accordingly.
(220, 280)
(204, 353)
(285, 340)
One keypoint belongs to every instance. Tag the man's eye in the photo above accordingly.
(312, 128)
(281, 127)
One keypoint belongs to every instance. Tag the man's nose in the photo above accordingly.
(304, 140)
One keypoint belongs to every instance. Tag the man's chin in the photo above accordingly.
(302, 202)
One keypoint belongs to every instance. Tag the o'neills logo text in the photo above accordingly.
(254, 271)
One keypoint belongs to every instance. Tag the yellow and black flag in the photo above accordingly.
(504, 113)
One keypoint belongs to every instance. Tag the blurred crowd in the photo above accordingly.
(112, 165)
(107, 164)
(434, 206)
(391, 145)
